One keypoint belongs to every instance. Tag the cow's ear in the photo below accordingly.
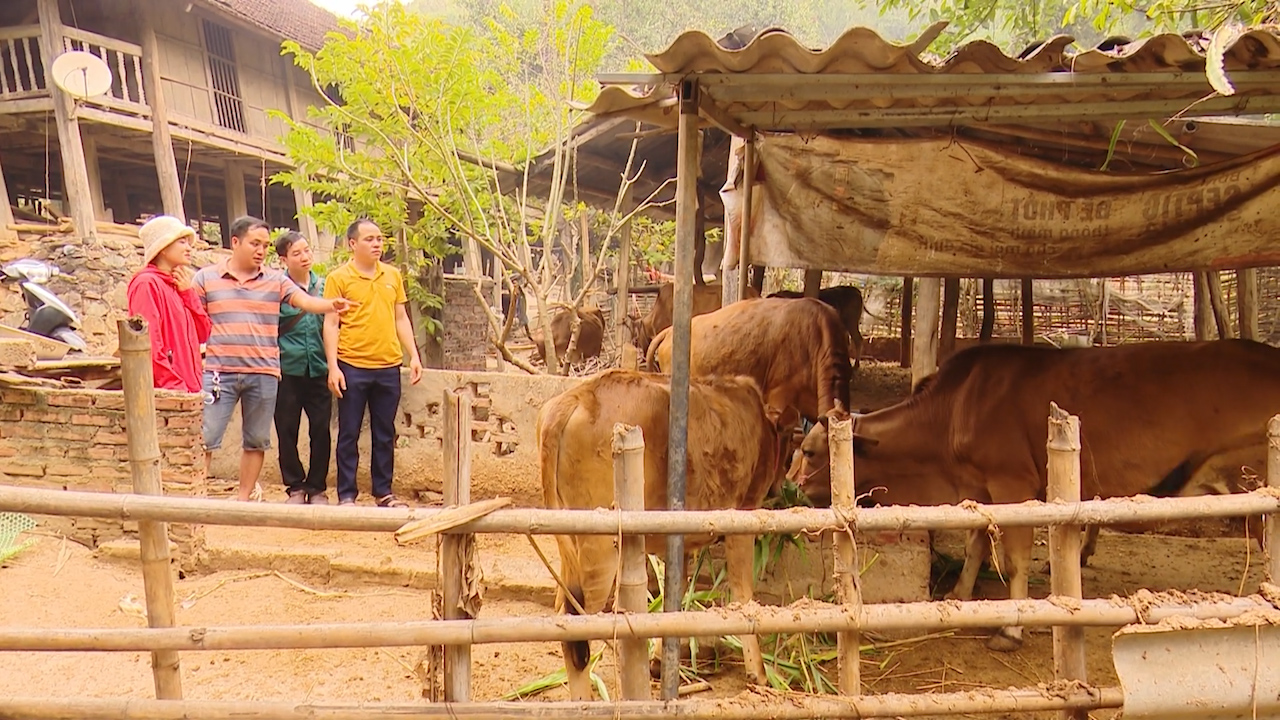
(862, 443)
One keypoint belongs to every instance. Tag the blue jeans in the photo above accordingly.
(379, 391)
(256, 393)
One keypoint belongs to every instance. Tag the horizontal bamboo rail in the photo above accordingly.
(538, 521)
(748, 619)
(748, 706)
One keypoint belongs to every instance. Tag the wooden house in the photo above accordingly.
(185, 128)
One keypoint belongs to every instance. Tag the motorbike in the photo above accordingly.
(47, 314)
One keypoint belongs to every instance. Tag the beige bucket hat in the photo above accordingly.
(159, 233)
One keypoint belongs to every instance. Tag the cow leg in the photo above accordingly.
(1090, 544)
(976, 547)
(740, 556)
(1017, 550)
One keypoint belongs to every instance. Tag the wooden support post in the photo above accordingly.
(93, 166)
(1221, 318)
(457, 552)
(75, 174)
(161, 140)
(744, 233)
(1247, 303)
(633, 582)
(678, 420)
(988, 310)
(848, 580)
(237, 202)
(950, 317)
(6, 210)
(1271, 522)
(1104, 310)
(1064, 545)
(924, 348)
(812, 283)
(1203, 312)
(144, 465)
(757, 278)
(1028, 312)
(199, 208)
(622, 277)
(904, 336)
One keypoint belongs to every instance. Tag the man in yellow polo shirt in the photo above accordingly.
(365, 349)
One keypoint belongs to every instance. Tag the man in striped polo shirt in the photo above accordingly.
(242, 359)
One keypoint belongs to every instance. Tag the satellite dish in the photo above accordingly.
(81, 74)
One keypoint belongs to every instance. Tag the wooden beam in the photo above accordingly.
(812, 283)
(924, 348)
(721, 119)
(950, 317)
(237, 202)
(1221, 318)
(988, 310)
(93, 164)
(75, 174)
(1247, 303)
(904, 336)
(1202, 316)
(171, 190)
(1028, 312)
(6, 211)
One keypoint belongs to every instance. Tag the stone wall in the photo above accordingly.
(76, 440)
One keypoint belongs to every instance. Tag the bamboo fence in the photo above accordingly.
(1064, 610)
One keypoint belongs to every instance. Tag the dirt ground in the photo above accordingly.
(57, 583)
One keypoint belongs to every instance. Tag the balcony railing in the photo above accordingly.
(22, 72)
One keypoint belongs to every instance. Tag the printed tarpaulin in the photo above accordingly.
(928, 207)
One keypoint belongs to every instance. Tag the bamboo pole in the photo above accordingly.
(456, 551)
(1064, 546)
(988, 310)
(747, 706)
(144, 465)
(633, 581)
(539, 521)
(744, 233)
(924, 348)
(848, 587)
(745, 619)
(950, 317)
(1221, 318)
(1271, 527)
(1247, 302)
(1028, 297)
(904, 333)
(812, 283)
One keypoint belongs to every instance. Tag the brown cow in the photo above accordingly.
(797, 350)
(590, 335)
(1151, 415)
(847, 300)
(706, 298)
(734, 456)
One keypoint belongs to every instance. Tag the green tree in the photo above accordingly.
(426, 113)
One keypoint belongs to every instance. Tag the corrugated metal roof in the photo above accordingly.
(862, 80)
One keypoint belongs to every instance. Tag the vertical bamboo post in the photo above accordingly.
(744, 232)
(924, 346)
(848, 582)
(904, 336)
(456, 550)
(1271, 524)
(1247, 302)
(1064, 545)
(812, 283)
(622, 278)
(144, 466)
(950, 317)
(633, 582)
(988, 310)
(1028, 312)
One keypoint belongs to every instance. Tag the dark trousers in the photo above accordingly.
(379, 391)
(298, 394)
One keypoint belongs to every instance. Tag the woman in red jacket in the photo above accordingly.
(161, 293)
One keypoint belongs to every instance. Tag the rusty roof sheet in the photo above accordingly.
(774, 73)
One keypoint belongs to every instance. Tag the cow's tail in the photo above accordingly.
(651, 356)
(551, 422)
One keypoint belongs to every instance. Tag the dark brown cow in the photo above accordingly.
(590, 335)
(1151, 416)
(797, 350)
(847, 301)
(706, 298)
(734, 456)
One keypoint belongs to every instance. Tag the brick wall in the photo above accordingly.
(466, 327)
(75, 440)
